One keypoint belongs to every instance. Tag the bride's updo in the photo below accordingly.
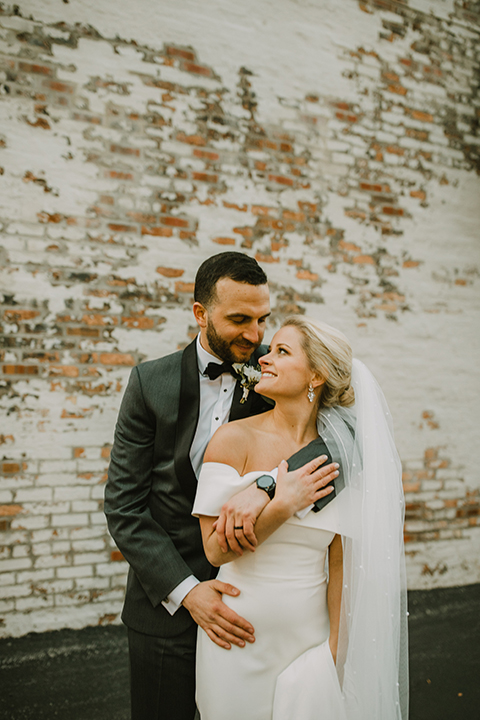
(330, 355)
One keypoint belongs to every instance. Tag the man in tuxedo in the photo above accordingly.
(170, 410)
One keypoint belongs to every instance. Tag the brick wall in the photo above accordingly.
(339, 146)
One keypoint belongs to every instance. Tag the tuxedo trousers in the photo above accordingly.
(162, 675)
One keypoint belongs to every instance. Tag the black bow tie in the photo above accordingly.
(214, 370)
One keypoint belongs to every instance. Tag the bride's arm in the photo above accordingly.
(294, 491)
(334, 590)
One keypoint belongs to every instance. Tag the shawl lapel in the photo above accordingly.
(188, 410)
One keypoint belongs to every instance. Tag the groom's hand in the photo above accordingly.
(235, 526)
(222, 625)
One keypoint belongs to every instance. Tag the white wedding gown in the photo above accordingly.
(288, 673)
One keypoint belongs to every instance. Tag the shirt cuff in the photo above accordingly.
(173, 601)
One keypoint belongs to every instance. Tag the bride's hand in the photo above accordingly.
(302, 487)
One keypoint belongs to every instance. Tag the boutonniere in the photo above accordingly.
(249, 377)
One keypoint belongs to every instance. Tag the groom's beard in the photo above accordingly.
(227, 351)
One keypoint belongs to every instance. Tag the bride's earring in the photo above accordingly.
(310, 393)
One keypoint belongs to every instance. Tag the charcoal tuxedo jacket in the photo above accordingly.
(151, 486)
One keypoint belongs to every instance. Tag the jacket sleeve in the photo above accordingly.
(145, 545)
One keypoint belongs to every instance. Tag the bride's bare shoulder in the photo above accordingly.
(231, 441)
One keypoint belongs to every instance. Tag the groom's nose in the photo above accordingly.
(253, 333)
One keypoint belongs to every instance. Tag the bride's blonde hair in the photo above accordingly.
(330, 355)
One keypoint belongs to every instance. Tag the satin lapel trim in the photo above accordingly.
(188, 411)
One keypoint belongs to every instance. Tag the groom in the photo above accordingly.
(171, 408)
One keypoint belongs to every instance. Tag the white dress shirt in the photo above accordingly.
(215, 402)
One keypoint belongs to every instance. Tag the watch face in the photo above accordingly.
(265, 482)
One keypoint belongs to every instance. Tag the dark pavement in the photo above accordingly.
(83, 674)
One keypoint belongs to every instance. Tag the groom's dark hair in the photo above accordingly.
(234, 265)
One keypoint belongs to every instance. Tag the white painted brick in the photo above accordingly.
(7, 606)
(51, 561)
(75, 572)
(13, 591)
(88, 545)
(19, 551)
(107, 569)
(15, 564)
(33, 603)
(7, 579)
(92, 583)
(91, 557)
(29, 523)
(76, 519)
(80, 492)
(80, 506)
(35, 576)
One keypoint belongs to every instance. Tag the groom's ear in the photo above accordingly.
(200, 313)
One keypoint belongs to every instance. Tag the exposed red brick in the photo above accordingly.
(420, 194)
(263, 257)
(9, 510)
(84, 331)
(59, 86)
(124, 150)
(116, 359)
(363, 260)
(263, 210)
(41, 123)
(280, 179)
(247, 232)
(116, 556)
(421, 135)
(105, 452)
(206, 155)
(191, 139)
(173, 221)
(205, 177)
(398, 89)
(8, 468)
(346, 117)
(139, 322)
(375, 187)
(411, 263)
(78, 452)
(20, 369)
(118, 175)
(196, 69)
(184, 287)
(395, 150)
(349, 247)
(307, 275)
(98, 319)
(296, 216)
(45, 217)
(20, 315)
(422, 116)
(63, 370)
(224, 240)
(411, 486)
(234, 206)
(178, 52)
(170, 272)
(157, 231)
(389, 210)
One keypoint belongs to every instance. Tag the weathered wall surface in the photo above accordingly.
(336, 142)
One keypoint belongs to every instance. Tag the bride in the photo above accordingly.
(324, 590)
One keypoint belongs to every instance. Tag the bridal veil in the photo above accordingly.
(372, 663)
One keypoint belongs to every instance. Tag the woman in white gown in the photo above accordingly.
(330, 643)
